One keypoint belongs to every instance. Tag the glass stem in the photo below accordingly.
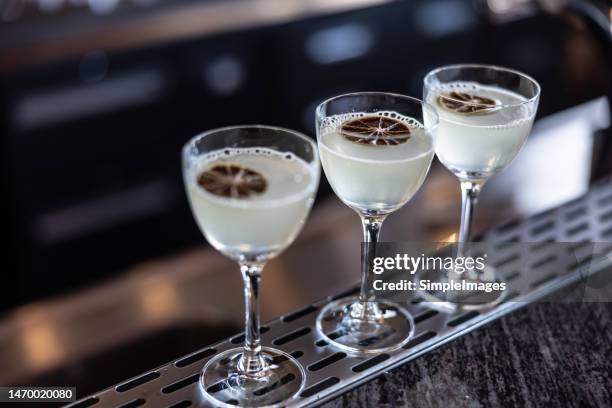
(251, 362)
(371, 230)
(469, 196)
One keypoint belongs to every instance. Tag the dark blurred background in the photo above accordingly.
(98, 96)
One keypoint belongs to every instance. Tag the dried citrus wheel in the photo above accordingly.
(232, 180)
(376, 131)
(467, 104)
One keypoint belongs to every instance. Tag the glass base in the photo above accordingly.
(224, 385)
(370, 327)
(456, 300)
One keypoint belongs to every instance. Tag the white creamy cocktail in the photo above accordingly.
(375, 162)
(251, 201)
(482, 128)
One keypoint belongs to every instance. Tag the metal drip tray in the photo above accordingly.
(331, 372)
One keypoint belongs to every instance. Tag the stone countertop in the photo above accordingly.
(542, 355)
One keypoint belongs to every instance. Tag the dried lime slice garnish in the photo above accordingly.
(233, 181)
(467, 104)
(376, 131)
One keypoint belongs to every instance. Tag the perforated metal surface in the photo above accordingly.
(331, 372)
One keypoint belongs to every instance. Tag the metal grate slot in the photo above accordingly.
(539, 216)
(330, 372)
(300, 313)
(291, 336)
(506, 243)
(547, 226)
(607, 233)
(508, 260)
(578, 228)
(318, 387)
(182, 404)
(462, 319)
(512, 276)
(327, 361)
(137, 381)
(542, 244)
(200, 355)
(607, 216)
(333, 336)
(220, 386)
(86, 403)
(133, 404)
(421, 338)
(285, 380)
(424, 316)
(575, 213)
(508, 225)
(370, 363)
(180, 384)
(544, 261)
(581, 245)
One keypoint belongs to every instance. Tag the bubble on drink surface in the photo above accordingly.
(309, 202)
(229, 152)
(381, 128)
(332, 123)
(458, 85)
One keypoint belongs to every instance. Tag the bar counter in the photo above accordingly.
(560, 357)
